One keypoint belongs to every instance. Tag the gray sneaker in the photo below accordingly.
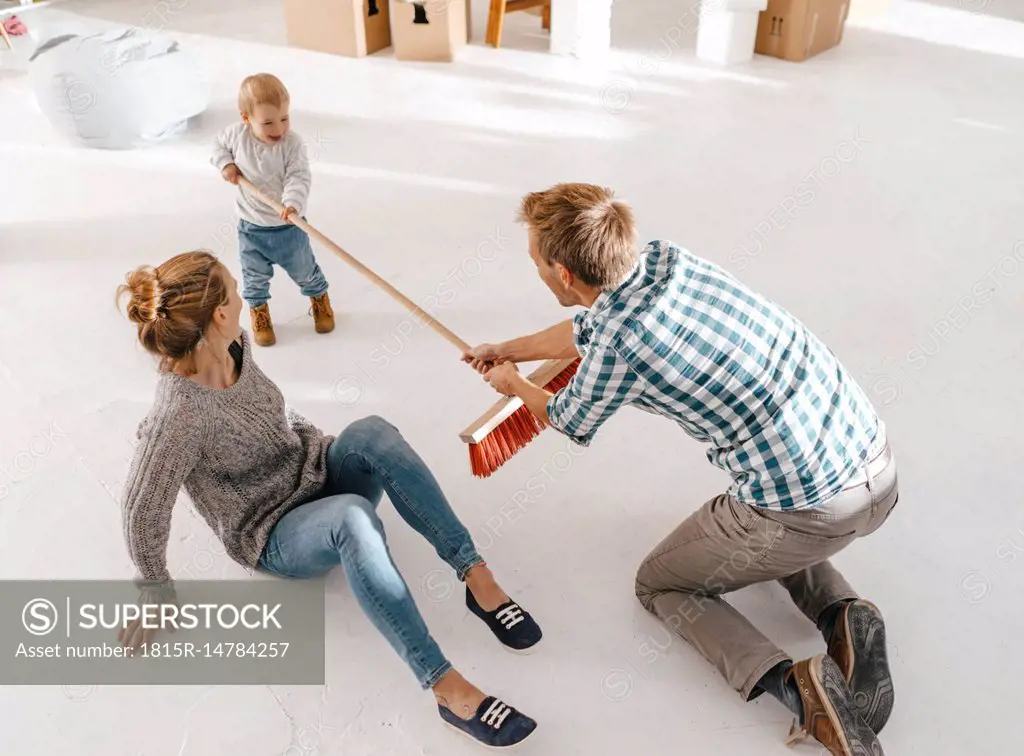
(858, 647)
(829, 715)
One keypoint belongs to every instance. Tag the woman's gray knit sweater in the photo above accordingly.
(242, 455)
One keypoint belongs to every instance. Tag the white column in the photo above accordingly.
(581, 28)
(727, 30)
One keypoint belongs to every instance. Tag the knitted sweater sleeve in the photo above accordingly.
(168, 450)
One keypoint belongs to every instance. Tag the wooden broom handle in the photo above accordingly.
(402, 299)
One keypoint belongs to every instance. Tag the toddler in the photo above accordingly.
(265, 150)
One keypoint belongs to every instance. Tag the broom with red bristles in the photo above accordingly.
(497, 435)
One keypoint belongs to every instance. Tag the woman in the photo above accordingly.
(286, 498)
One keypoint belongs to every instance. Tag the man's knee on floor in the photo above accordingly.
(645, 593)
(684, 609)
(652, 581)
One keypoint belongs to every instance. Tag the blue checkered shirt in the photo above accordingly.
(681, 337)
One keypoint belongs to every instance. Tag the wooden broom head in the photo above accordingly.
(509, 425)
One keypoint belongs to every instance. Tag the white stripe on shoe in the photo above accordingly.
(510, 616)
(496, 714)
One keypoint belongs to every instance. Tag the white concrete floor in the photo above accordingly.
(903, 260)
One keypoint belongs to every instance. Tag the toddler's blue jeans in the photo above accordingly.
(342, 527)
(262, 247)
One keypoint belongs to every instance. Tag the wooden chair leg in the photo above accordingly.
(495, 21)
(546, 17)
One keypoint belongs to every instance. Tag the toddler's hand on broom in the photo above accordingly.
(288, 211)
(231, 174)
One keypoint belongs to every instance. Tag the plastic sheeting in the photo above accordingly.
(120, 89)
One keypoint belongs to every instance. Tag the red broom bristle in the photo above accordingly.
(514, 433)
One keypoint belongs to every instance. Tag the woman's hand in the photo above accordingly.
(135, 636)
(288, 211)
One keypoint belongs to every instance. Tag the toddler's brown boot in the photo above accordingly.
(323, 315)
(262, 327)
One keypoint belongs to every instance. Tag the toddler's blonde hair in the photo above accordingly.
(261, 89)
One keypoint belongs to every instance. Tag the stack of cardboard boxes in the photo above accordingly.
(431, 30)
(434, 30)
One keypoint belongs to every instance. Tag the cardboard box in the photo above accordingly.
(433, 30)
(353, 28)
(800, 29)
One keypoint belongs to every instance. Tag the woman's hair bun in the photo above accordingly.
(146, 303)
(172, 305)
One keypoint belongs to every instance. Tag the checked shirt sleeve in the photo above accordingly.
(603, 383)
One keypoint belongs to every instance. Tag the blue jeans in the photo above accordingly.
(342, 527)
(262, 247)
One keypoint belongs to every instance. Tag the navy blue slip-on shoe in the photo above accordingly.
(510, 623)
(495, 724)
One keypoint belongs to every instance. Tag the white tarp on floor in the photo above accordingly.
(119, 89)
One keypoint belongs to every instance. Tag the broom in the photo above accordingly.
(507, 426)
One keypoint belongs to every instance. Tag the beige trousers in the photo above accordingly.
(727, 545)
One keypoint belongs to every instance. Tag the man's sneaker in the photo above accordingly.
(262, 327)
(858, 647)
(510, 623)
(495, 724)
(829, 713)
(323, 315)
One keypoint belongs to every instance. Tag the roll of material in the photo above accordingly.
(120, 89)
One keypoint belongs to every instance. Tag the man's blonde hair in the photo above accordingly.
(583, 227)
(261, 89)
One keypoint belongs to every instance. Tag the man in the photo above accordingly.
(812, 471)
